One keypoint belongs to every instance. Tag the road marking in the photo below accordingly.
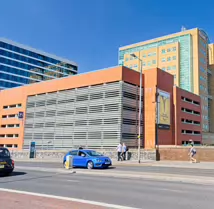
(73, 181)
(68, 199)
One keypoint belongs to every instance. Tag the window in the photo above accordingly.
(174, 76)
(163, 51)
(168, 68)
(74, 152)
(153, 61)
(174, 49)
(174, 57)
(150, 54)
(149, 63)
(130, 66)
(144, 64)
(163, 59)
(127, 59)
(168, 58)
(169, 50)
(135, 66)
(174, 67)
(164, 69)
(144, 55)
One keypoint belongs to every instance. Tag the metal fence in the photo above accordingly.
(94, 116)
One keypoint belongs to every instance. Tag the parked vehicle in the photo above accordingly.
(90, 159)
(6, 163)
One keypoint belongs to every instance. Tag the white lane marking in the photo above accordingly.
(72, 181)
(68, 199)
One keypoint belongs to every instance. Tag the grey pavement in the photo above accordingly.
(136, 193)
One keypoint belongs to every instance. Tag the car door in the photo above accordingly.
(81, 159)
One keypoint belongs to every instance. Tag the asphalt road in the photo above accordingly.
(125, 192)
(148, 169)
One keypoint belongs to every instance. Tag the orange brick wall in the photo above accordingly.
(178, 104)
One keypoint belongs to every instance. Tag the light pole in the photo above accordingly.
(140, 106)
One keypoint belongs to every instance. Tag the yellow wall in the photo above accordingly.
(156, 57)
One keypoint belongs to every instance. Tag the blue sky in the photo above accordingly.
(90, 32)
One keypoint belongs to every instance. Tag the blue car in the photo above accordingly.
(90, 159)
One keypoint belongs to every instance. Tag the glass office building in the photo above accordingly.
(21, 65)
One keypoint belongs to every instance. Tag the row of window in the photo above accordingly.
(190, 121)
(173, 49)
(203, 79)
(205, 117)
(205, 126)
(203, 70)
(31, 66)
(203, 52)
(202, 43)
(8, 84)
(22, 58)
(190, 100)
(10, 125)
(9, 145)
(203, 60)
(190, 132)
(190, 111)
(32, 54)
(12, 106)
(169, 68)
(168, 59)
(10, 116)
(203, 88)
(9, 135)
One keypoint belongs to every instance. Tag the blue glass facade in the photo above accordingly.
(21, 65)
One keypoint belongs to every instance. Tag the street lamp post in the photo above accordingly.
(140, 106)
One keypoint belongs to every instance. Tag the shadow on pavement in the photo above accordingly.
(17, 173)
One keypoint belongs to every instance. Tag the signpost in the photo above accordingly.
(21, 115)
(32, 149)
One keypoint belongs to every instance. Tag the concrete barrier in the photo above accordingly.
(180, 153)
(59, 154)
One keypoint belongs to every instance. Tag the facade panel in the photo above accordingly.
(21, 65)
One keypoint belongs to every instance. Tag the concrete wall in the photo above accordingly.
(204, 154)
(58, 155)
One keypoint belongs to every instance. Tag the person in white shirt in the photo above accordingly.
(124, 150)
(119, 151)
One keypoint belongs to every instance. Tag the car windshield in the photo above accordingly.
(4, 153)
(93, 153)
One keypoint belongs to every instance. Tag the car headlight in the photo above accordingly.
(98, 160)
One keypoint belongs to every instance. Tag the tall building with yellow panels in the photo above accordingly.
(185, 55)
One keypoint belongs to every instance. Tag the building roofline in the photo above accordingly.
(37, 51)
(153, 40)
(57, 79)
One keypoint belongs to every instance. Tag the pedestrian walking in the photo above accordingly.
(119, 151)
(192, 153)
(124, 150)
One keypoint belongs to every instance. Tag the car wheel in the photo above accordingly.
(90, 165)
(64, 164)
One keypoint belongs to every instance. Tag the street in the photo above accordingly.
(103, 191)
(122, 168)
